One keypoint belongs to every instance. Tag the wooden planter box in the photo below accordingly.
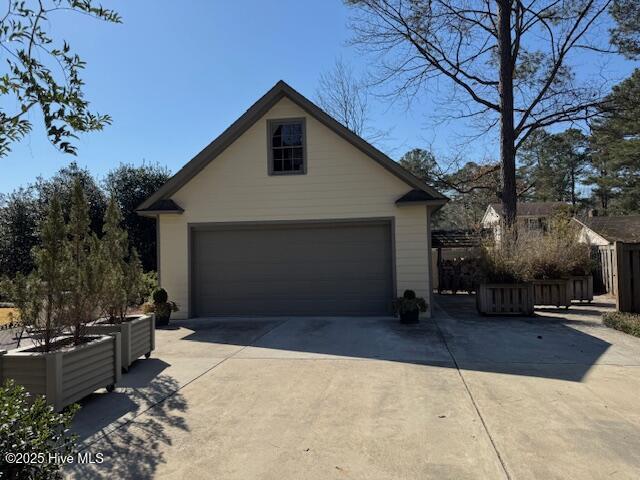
(581, 288)
(65, 376)
(552, 292)
(505, 298)
(137, 337)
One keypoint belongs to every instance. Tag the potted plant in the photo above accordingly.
(122, 281)
(551, 262)
(161, 307)
(503, 289)
(64, 363)
(581, 275)
(408, 307)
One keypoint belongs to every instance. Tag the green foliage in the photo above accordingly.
(161, 305)
(554, 165)
(470, 187)
(625, 322)
(26, 293)
(409, 303)
(52, 272)
(24, 210)
(615, 143)
(165, 309)
(160, 295)
(422, 164)
(148, 285)
(18, 231)
(85, 281)
(32, 428)
(122, 271)
(626, 33)
(44, 73)
(62, 184)
(130, 186)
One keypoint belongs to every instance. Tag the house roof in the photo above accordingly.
(415, 196)
(457, 238)
(257, 111)
(532, 208)
(615, 229)
(161, 206)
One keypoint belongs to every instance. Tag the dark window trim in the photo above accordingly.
(271, 125)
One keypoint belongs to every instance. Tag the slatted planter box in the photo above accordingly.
(581, 288)
(552, 292)
(68, 375)
(505, 299)
(137, 337)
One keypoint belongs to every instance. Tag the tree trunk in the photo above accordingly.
(507, 133)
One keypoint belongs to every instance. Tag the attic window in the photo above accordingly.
(287, 147)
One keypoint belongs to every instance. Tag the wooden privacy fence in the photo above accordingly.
(628, 273)
(619, 266)
(606, 258)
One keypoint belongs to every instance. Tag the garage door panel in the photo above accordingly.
(292, 269)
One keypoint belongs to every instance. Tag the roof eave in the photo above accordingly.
(435, 202)
(155, 213)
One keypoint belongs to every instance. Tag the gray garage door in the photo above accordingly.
(292, 269)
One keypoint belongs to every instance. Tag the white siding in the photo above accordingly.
(592, 238)
(341, 182)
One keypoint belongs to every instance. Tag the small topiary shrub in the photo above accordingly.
(160, 296)
(625, 322)
(34, 429)
(409, 295)
(409, 303)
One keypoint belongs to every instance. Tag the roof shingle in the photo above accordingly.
(615, 229)
(533, 208)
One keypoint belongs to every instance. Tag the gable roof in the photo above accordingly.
(532, 208)
(615, 229)
(255, 113)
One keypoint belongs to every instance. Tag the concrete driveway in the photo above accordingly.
(458, 397)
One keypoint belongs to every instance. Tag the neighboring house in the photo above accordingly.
(288, 212)
(533, 216)
(601, 231)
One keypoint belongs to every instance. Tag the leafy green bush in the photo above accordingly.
(148, 285)
(32, 428)
(625, 322)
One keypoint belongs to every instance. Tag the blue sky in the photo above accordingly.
(174, 75)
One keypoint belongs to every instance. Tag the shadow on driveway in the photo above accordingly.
(456, 336)
(134, 451)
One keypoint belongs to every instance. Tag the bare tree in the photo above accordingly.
(507, 61)
(343, 96)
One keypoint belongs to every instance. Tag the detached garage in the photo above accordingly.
(288, 212)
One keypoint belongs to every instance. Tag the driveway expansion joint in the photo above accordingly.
(471, 397)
